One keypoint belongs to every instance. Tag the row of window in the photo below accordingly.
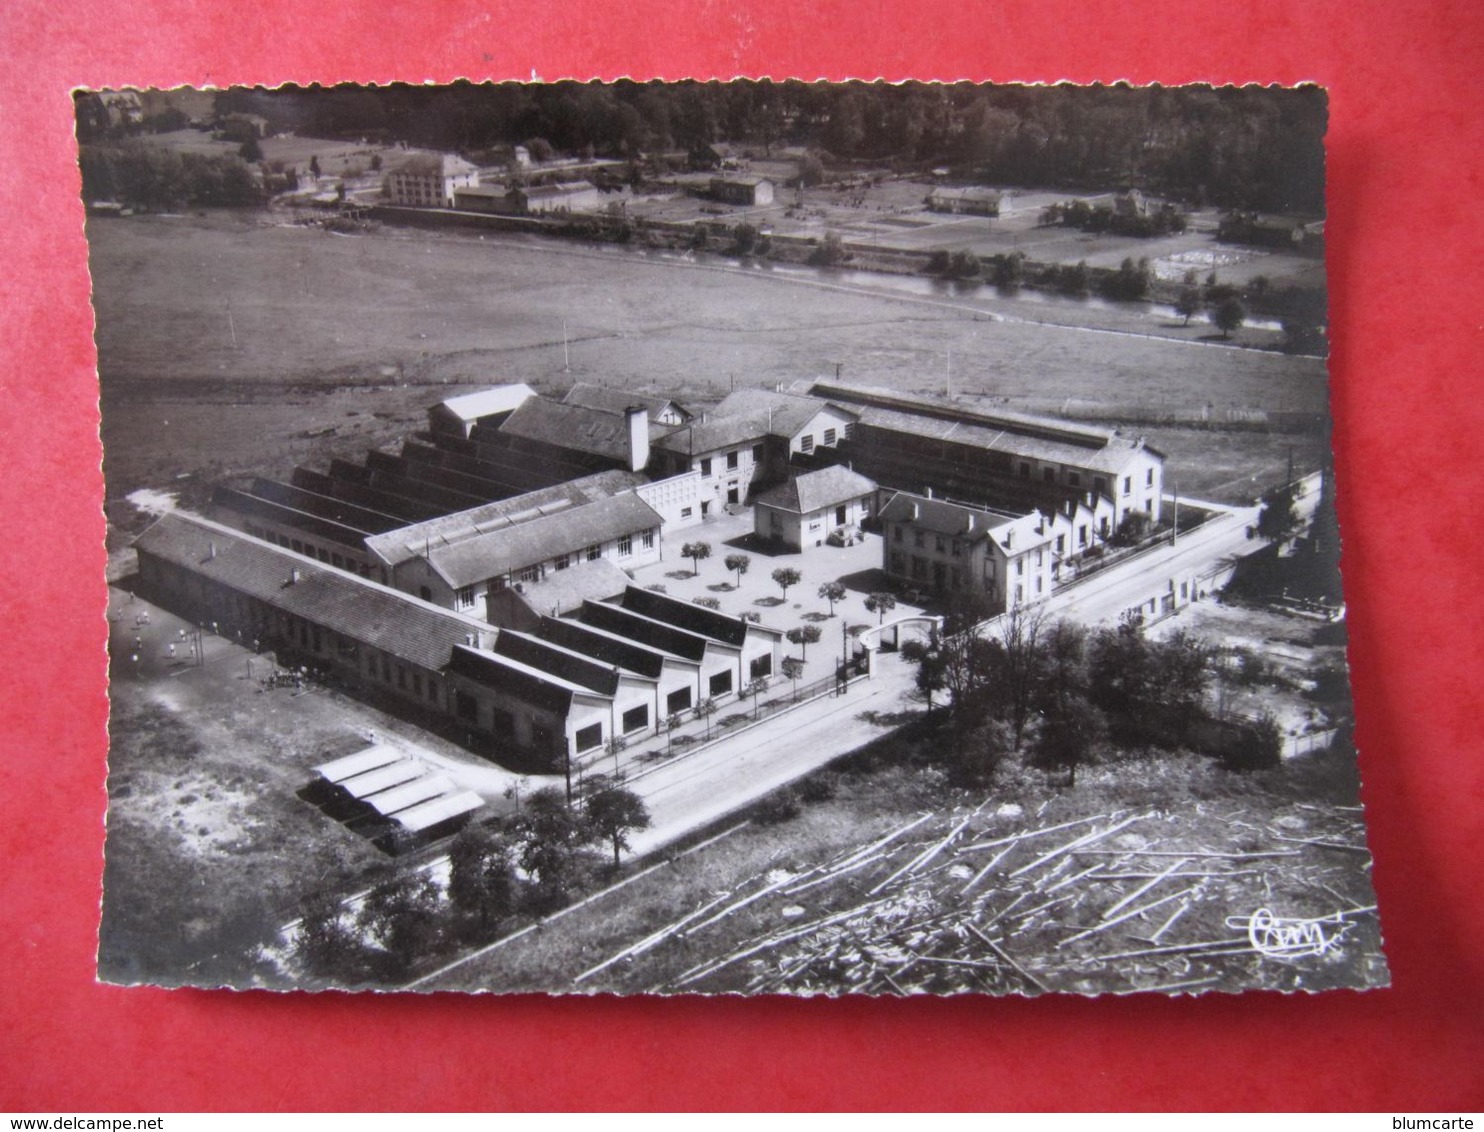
(733, 460)
(299, 546)
(465, 598)
(637, 718)
(379, 666)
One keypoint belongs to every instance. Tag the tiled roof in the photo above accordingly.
(406, 543)
(610, 648)
(540, 539)
(701, 438)
(942, 517)
(385, 619)
(968, 523)
(558, 189)
(972, 192)
(646, 631)
(951, 410)
(611, 400)
(690, 617)
(487, 402)
(436, 165)
(1109, 457)
(814, 491)
(492, 191)
(574, 427)
(781, 414)
(541, 689)
(562, 591)
(565, 663)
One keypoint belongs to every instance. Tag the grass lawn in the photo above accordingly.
(228, 343)
(210, 850)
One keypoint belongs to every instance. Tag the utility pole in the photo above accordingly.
(231, 324)
(566, 356)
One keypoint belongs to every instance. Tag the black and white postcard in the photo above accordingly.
(711, 538)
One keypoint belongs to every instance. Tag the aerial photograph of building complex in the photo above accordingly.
(695, 538)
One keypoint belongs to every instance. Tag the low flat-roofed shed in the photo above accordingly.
(410, 794)
(362, 786)
(369, 758)
(426, 816)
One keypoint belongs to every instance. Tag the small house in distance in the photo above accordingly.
(974, 200)
(568, 196)
(751, 191)
(429, 180)
(812, 507)
(492, 199)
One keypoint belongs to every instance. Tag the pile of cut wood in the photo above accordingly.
(966, 901)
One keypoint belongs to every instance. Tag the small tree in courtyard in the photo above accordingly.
(787, 576)
(833, 592)
(615, 746)
(705, 710)
(696, 551)
(881, 604)
(737, 564)
(613, 813)
(672, 724)
(803, 636)
(755, 689)
(793, 668)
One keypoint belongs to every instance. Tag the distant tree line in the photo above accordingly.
(1247, 147)
(135, 173)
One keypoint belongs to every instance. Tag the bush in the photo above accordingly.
(817, 788)
(830, 252)
(777, 808)
(1257, 746)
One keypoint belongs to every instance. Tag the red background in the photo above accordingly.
(1405, 143)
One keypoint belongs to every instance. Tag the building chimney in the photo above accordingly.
(211, 550)
(969, 526)
(637, 417)
(294, 576)
(928, 491)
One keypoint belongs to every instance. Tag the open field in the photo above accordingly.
(894, 215)
(247, 335)
(210, 850)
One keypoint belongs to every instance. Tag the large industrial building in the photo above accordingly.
(481, 575)
(561, 691)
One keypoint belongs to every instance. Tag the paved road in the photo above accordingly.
(1103, 597)
(695, 790)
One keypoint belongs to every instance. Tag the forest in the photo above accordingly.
(1236, 147)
